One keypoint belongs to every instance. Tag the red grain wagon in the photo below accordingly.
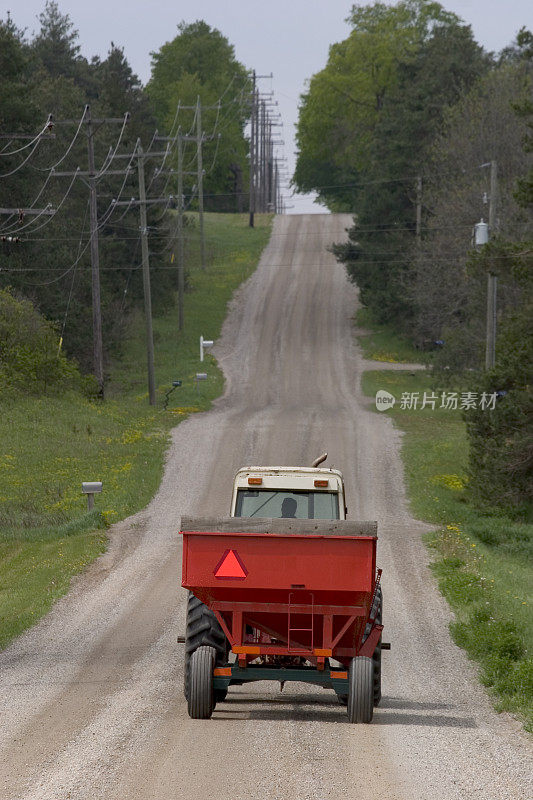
(292, 599)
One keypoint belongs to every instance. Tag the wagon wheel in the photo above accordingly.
(203, 628)
(361, 690)
(201, 699)
(376, 658)
(377, 614)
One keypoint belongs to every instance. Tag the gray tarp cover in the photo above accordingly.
(317, 527)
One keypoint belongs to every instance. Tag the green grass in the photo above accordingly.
(382, 342)
(35, 573)
(51, 444)
(482, 558)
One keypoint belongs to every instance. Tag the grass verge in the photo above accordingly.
(482, 559)
(51, 444)
(382, 343)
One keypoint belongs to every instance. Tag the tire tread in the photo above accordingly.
(201, 701)
(202, 629)
(361, 690)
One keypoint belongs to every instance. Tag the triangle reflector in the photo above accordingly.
(230, 566)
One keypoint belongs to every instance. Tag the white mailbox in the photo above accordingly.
(200, 376)
(204, 343)
(90, 488)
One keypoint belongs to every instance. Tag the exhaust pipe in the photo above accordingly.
(319, 460)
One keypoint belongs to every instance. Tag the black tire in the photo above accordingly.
(377, 612)
(361, 690)
(376, 658)
(203, 629)
(201, 700)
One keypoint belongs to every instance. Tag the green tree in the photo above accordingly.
(524, 109)
(120, 90)
(30, 358)
(378, 255)
(340, 111)
(199, 63)
(56, 44)
(197, 50)
(448, 293)
(16, 107)
(501, 441)
(57, 80)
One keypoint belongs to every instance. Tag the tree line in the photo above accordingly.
(403, 127)
(44, 256)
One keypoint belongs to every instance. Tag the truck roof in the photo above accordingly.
(285, 470)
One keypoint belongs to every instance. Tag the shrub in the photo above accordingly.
(30, 357)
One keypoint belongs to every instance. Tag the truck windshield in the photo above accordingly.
(278, 504)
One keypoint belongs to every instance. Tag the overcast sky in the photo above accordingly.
(289, 38)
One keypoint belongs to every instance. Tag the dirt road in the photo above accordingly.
(91, 699)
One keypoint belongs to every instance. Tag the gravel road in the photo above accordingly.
(91, 699)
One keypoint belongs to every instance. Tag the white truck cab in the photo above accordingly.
(288, 492)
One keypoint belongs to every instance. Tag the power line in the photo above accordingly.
(32, 205)
(22, 212)
(19, 167)
(226, 114)
(103, 170)
(73, 279)
(146, 276)
(400, 179)
(54, 211)
(67, 151)
(37, 139)
(92, 175)
(289, 265)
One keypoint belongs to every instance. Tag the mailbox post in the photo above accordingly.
(90, 488)
(200, 376)
(204, 343)
(175, 385)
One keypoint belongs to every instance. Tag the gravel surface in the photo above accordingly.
(91, 699)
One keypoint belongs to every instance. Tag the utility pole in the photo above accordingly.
(199, 139)
(179, 139)
(257, 165)
(265, 158)
(253, 124)
(256, 151)
(418, 209)
(98, 357)
(22, 213)
(141, 157)
(269, 166)
(276, 189)
(181, 249)
(270, 150)
(146, 276)
(262, 170)
(22, 136)
(492, 278)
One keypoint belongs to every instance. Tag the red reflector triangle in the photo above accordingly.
(230, 566)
